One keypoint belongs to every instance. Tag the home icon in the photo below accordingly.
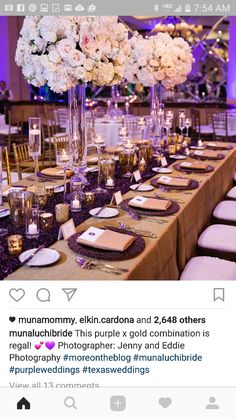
(23, 404)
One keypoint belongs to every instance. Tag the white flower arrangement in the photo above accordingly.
(65, 51)
(159, 58)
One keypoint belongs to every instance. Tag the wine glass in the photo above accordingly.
(99, 142)
(127, 105)
(182, 120)
(188, 123)
(64, 158)
(35, 143)
(167, 125)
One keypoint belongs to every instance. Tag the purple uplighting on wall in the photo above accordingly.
(4, 48)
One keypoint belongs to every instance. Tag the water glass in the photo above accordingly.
(32, 222)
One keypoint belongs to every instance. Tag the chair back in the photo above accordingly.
(23, 160)
(60, 143)
(6, 165)
(135, 130)
(220, 127)
(62, 117)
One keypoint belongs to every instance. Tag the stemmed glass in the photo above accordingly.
(127, 105)
(182, 120)
(99, 142)
(64, 158)
(35, 143)
(188, 123)
(167, 126)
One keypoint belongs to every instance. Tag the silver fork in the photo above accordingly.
(94, 264)
(162, 188)
(178, 201)
(144, 233)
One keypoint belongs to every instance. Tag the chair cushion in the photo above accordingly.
(232, 192)
(219, 238)
(209, 268)
(225, 210)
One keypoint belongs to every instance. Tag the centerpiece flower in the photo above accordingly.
(159, 58)
(67, 52)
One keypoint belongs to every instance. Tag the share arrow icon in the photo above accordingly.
(70, 292)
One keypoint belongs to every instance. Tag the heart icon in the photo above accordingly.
(50, 345)
(12, 319)
(165, 402)
(17, 294)
(41, 343)
(37, 347)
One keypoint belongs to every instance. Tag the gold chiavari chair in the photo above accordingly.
(6, 166)
(60, 143)
(135, 130)
(15, 122)
(50, 128)
(23, 161)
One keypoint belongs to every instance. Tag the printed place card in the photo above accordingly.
(92, 234)
(117, 197)
(186, 164)
(187, 151)
(200, 143)
(163, 161)
(165, 179)
(138, 200)
(137, 175)
(198, 153)
(67, 230)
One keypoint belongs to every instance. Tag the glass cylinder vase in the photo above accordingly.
(77, 126)
(155, 98)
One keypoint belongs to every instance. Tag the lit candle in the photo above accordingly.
(142, 165)
(129, 145)
(141, 122)
(99, 140)
(32, 228)
(76, 203)
(64, 156)
(110, 182)
(169, 114)
(35, 130)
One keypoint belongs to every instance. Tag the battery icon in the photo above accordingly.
(188, 8)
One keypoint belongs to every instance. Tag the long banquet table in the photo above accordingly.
(164, 257)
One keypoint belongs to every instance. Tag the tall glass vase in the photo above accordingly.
(155, 98)
(77, 129)
(157, 115)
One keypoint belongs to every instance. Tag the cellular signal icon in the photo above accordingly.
(179, 9)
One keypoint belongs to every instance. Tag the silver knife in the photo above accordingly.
(99, 211)
(33, 254)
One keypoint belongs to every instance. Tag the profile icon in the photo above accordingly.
(212, 404)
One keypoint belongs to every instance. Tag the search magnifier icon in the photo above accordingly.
(70, 402)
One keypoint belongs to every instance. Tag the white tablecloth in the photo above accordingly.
(6, 131)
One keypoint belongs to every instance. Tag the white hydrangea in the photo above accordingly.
(64, 51)
(159, 59)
